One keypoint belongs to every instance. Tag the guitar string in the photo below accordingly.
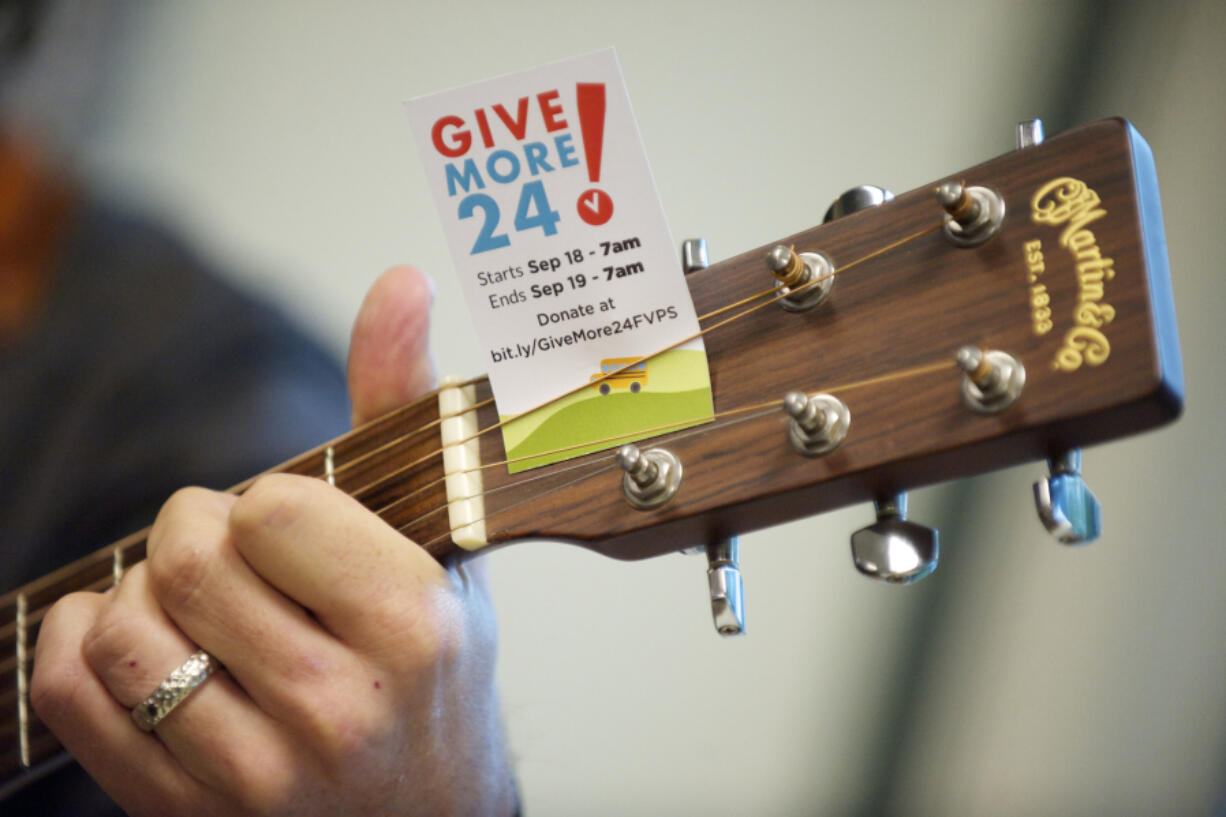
(403, 438)
(595, 469)
(432, 455)
(754, 411)
(346, 466)
(664, 429)
(367, 488)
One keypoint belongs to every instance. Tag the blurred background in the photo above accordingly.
(1023, 677)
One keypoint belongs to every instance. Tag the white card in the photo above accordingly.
(559, 239)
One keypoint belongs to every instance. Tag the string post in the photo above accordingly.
(650, 478)
(785, 265)
(972, 214)
(819, 423)
(803, 280)
(961, 207)
(992, 380)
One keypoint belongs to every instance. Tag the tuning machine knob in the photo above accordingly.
(1067, 507)
(855, 200)
(1029, 133)
(894, 549)
(726, 586)
(694, 255)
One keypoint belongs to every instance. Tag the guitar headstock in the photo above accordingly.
(1070, 283)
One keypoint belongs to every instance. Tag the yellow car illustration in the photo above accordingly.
(631, 373)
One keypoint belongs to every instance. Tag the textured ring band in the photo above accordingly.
(174, 690)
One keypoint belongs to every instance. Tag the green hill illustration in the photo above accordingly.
(671, 390)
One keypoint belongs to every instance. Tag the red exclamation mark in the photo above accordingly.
(594, 205)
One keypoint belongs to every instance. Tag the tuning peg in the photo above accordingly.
(726, 586)
(857, 199)
(694, 255)
(1029, 133)
(651, 477)
(1067, 507)
(804, 279)
(819, 423)
(893, 549)
(972, 214)
(991, 380)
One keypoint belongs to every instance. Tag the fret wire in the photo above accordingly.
(116, 565)
(23, 727)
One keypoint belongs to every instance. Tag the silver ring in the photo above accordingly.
(174, 690)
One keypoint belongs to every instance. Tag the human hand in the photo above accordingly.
(359, 672)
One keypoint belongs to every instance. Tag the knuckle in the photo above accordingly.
(182, 506)
(116, 649)
(273, 500)
(269, 786)
(437, 637)
(180, 566)
(109, 642)
(348, 727)
(418, 633)
(56, 679)
(54, 692)
(338, 712)
(181, 549)
(304, 670)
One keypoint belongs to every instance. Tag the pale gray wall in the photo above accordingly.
(1057, 682)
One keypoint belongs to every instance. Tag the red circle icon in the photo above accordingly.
(595, 206)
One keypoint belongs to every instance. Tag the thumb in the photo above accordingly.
(389, 356)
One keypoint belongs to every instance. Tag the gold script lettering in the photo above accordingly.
(1071, 203)
(1082, 343)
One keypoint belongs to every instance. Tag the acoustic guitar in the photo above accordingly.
(1017, 310)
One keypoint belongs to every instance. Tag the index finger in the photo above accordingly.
(330, 554)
